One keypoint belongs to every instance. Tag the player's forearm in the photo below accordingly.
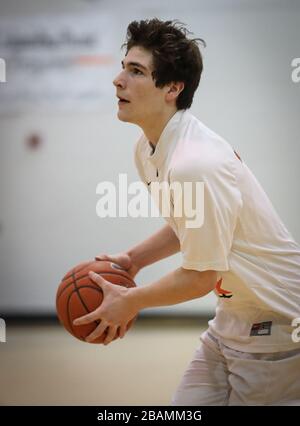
(178, 286)
(160, 245)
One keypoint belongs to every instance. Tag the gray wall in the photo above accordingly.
(48, 199)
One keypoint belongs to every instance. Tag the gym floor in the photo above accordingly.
(41, 364)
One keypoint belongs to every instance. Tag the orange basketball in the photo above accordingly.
(77, 295)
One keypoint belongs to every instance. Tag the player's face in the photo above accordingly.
(136, 85)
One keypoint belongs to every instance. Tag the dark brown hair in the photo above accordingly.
(175, 57)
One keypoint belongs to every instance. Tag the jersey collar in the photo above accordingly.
(167, 138)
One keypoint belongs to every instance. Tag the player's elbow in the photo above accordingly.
(205, 280)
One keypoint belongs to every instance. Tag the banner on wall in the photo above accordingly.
(58, 63)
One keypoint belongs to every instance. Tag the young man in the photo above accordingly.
(242, 250)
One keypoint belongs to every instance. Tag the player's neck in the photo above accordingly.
(154, 129)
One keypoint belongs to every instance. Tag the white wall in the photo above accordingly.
(47, 216)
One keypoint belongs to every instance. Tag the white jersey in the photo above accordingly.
(242, 237)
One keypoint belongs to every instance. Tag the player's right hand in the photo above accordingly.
(121, 259)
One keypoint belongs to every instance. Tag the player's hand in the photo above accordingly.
(117, 309)
(121, 259)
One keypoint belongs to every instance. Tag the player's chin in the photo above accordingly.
(124, 117)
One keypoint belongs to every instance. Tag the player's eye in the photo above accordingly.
(137, 71)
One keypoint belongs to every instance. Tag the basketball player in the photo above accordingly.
(242, 251)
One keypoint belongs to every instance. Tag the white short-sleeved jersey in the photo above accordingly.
(242, 237)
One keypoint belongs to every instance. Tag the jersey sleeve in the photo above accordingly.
(206, 245)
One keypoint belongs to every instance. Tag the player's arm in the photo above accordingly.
(178, 286)
(161, 244)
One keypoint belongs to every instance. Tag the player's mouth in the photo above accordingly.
(123, 101)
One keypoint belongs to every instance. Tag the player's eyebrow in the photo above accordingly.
(134, 64)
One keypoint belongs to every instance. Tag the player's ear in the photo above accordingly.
(174, 89)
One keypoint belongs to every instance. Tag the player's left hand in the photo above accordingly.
(117, 309)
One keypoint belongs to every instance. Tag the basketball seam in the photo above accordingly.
(80, 298)
(80, 269)
(69, 300)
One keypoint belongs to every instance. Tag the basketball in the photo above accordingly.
(77, 295)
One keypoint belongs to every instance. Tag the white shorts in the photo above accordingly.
(218, 375)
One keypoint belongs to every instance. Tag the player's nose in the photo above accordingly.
(119, 81)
